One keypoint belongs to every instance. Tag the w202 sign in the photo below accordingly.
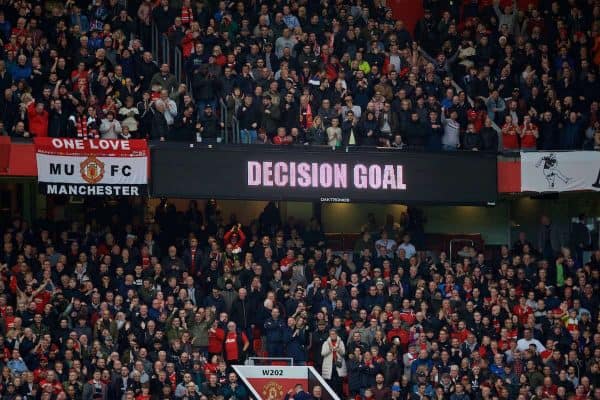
(98, 167)
(560, 171)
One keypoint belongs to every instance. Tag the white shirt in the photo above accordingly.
(523, 344)
(388, 244)
(170, 111)
(408, 248)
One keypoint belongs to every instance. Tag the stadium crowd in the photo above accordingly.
(162, 309)
(335, 73)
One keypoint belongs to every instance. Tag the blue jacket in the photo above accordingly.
(239, 392)
(418, 362)
(571, 135)
(497, 370)
(371, 301)
(219, 303)
(274, 330)
(357, 376)
(17, 366)
(21, 72)
(295, 345)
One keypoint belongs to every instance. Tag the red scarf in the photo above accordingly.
(307, 117)
(81, 123)
(333, 342)
(187, 16)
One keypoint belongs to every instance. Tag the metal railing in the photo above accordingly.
(177, 63)
(224, 120)
(155, 40)
(235, 130)
(165, 47)
(459, 240)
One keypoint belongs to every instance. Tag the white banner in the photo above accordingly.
(91, 170)
(92, 167)
(560, 171)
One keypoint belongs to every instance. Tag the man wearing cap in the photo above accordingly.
(209, 125)
(422, 388)
(318, 337)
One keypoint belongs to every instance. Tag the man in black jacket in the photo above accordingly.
(58, 121)
(580, 238)
(415, 132)
(160, 129)
(549, 132)
(185, 126)
(270, 116)
(205, 88)
(472, 139)
(146, 68)
(249, 117)
(351, 130)
(209, 126)
(489, 137)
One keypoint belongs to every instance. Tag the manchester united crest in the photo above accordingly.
(92, 170)
(272, 391)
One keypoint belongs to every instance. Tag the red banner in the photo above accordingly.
(88, 147)
(4, 153)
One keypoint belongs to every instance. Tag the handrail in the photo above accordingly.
(224, 111)
(235, 128)
(177, 62)
(165, 49)
(155, 40)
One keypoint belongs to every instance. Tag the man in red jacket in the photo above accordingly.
(398, 332)
(38, 119)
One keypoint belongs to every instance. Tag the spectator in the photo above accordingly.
(370, 129)
(160, 128)
(184, 127)
(270, 115)
(236, 345)
(489, 137)
(496, 107)
(110, 128)
(274, 332)
(529, 134)
(58, 120)
(334, 364)
(472, 140)
(248, 115)
(282, 138)
(570, 137)
(296, 340)
(414, 132)
(130, 115)
(209, 125)
(170, 111)
(450, 139)
(510, 134)
(316, 133)
(335, 133)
